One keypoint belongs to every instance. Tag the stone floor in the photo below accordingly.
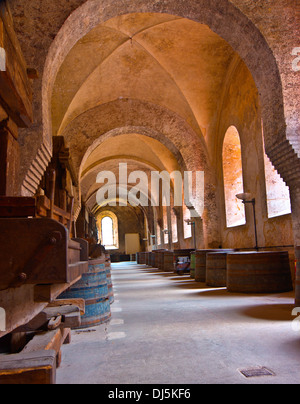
(167, 329)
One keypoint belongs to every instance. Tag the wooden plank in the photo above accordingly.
(48, 340)
(66, 335)
(38, 322)
(70, 317)
(84, 254)
(44, 206)
(15, 87)
(28, 368)
(76, 270)
(17, 207)
(72, 320)
(48, 293)
(62, 310)
(9, 157)
(80, 303)
(33, 251)
(74, 251)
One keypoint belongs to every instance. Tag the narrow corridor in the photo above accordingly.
(167, 329)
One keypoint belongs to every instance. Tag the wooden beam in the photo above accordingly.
(29, 368)
(15, 86)
(48, 293)
(80, 303)
(17, 207)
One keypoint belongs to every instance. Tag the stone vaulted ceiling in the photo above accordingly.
(164, 60)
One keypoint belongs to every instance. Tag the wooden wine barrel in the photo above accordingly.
(142, 258)
(259, 272)
(93, 288)
(200, 263)
(138, 258)
(152, 260)
(297, 284)
(147, 261)
(216, 269)
(168, 261)
(158, 258)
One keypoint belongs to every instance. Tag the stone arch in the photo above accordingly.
(221, 17)
(134, 116)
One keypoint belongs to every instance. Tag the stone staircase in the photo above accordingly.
(287, 163)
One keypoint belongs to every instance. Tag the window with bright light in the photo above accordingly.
(174, 227)
(187, 229)
(233, 178)
(108, 229)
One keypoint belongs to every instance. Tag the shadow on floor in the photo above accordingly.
(273, 312)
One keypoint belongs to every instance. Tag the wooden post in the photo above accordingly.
(52, 181)
(9, 158)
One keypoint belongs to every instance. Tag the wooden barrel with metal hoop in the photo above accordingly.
(259, 272)
(147, 260)
(200, 263)
(142, 258)
(168, 261)
(152, 260)
(93, 288)
(216, 269)
(158, 258)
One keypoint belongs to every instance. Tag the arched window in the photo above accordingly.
(158, 234)
(165, 225)
(233, 178)
(187, 229)
(174, 226)
(108, 229)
